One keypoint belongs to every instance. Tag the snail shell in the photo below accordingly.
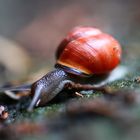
(88, 51)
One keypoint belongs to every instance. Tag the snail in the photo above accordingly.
(84, 53)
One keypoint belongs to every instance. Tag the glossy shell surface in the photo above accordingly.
(89, 51)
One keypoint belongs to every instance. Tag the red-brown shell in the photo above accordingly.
(89, 51)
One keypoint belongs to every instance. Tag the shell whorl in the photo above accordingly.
(89, 51)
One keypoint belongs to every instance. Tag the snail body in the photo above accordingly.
(84, 52)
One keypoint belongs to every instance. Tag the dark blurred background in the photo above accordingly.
(30, 30)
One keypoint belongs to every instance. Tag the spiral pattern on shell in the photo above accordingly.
(89, 51)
